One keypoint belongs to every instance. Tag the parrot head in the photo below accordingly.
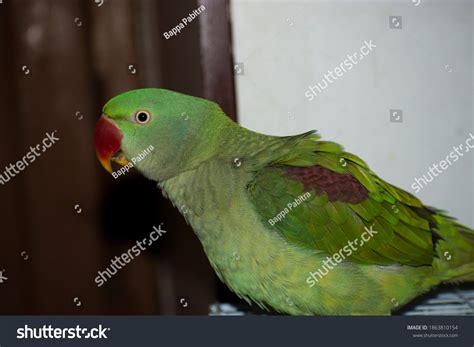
(181, 130)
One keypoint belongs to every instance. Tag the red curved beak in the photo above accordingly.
(108, 139)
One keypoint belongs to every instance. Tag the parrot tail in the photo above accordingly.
(464, 273)
(454, 249)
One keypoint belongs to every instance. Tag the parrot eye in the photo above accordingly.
(142, 117)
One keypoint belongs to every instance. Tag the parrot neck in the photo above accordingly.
(224, 158)
(216, 137)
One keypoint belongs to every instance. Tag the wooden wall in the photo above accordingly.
(60, 61)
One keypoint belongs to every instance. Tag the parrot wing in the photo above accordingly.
(326, 197)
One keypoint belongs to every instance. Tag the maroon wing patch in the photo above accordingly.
(338, 187)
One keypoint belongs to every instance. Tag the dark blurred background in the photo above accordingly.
(64, 218)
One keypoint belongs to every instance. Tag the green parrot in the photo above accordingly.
(291, 223)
